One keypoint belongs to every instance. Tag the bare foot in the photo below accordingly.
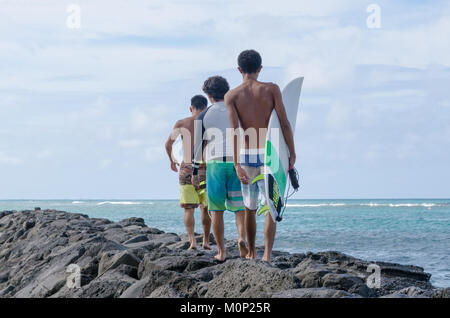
(266, 259)
(221, 257)
(206, 246)
(243, 251)
(251, 255)
(192, 247)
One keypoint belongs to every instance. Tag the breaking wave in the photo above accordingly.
(315, 205)
(392, 205)
(123, 203)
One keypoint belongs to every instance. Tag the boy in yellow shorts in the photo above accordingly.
(191, 197)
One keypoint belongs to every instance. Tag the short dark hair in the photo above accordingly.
(199, 102)
(249, 61)
(216, 87)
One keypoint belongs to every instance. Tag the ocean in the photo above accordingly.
(404, 231)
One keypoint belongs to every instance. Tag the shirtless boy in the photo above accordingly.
(251, 105)
(191, 197)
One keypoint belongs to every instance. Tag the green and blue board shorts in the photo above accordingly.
(223, 187)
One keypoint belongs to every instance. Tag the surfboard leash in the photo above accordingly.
(293, 176)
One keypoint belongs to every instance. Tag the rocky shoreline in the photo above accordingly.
(48, 253)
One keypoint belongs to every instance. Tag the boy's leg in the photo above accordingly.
(203, 199)
(250, 194)
(218, 229)
(270, 228)
(235, 204)
(250, 226)
(188, 201)
(217, 194)
(240, 224)
(206, 222)
(189, 222)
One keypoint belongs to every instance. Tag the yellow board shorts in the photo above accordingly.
(191, 197)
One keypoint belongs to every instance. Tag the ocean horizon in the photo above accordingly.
(406, 231)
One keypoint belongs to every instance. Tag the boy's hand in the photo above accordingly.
(173, 165)
(194, 181)
(292, 159)
(242, 175)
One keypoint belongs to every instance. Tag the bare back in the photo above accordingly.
(185, 128)
(254, 102)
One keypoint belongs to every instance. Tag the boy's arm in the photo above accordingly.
(285, 124)
(235, 138)
(172, 137)
(197, 150)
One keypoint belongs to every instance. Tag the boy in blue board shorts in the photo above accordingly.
(222, 184)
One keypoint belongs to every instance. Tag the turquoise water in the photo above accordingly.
(403, 231)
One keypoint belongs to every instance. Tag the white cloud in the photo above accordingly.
(105, 163)
(338, 115)
(447, 134)
(375, 152)
(7, 159)
(408, 148)
(398, 93)
(151, 119)
(95, 110)
(175, 39)
(140, 119)
(154, 154)
(130, 143)
(444, 103)
(44, 154)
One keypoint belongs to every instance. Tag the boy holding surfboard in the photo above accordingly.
(251, 105)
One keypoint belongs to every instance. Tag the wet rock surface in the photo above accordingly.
(48, 253)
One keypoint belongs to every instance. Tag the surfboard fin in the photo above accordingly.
(258, 178)
(264, 209)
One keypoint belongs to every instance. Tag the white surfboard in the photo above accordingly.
(276, 163)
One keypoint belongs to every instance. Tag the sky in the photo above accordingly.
(88, 97)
